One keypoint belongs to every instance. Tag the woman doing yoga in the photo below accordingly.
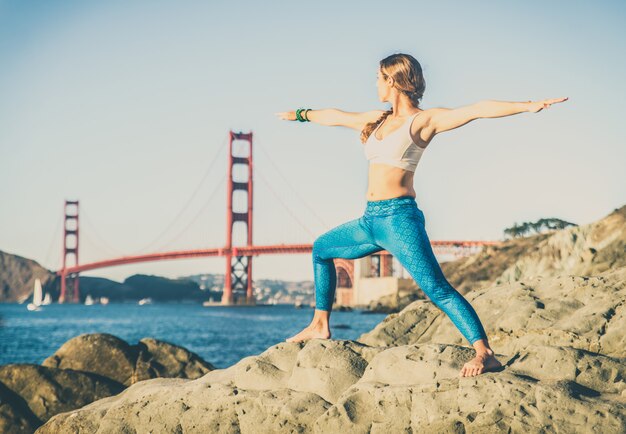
(394, 141)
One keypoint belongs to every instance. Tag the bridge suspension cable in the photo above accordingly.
(285, 206)
(290, 184)
(193, 195)
(57, 231)
(84, 216)
(206, 204)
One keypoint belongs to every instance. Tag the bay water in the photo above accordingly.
(221, 335)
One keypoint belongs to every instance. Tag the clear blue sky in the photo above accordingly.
(126, 106)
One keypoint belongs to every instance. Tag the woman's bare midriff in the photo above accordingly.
(386, 182)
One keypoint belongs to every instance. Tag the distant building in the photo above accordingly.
(366, 279)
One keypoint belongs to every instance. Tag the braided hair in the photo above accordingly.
(408, 78)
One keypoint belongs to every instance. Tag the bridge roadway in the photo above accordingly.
(441, 246)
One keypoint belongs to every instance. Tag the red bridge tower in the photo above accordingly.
(238, 276)
(69, 250)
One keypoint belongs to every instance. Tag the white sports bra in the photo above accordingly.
(396, 149)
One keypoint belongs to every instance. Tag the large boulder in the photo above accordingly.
(86, 368)
(99, 353)
(30, 394)
(112, 357)
(15, 415)
(158, 358)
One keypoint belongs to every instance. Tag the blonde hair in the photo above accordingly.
(408, 78)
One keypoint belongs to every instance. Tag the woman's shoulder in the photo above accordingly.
(419, 129)
(373, 115)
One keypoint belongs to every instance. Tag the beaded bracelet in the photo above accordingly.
(299, 116)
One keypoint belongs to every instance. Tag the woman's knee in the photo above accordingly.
(317, 244)
(319, 247)
(326, 240)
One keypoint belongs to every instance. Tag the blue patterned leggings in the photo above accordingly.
(398, 226)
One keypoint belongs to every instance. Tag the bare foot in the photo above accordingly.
(483, 362)
(310, 332)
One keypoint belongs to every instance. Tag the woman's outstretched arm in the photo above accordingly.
(336, 117)
(442, 119)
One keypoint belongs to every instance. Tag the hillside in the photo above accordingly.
(17, 277)
(18, 274)
(585, 250)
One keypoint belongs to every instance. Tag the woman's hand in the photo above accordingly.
(287, 116)
(537, 106)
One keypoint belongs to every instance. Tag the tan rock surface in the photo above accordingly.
(410, 388)
(561, 341)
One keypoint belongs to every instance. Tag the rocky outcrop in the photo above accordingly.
(86, 368)
(17, 277)
(339, 386)
(561, 341)
(38, 393)
(15, 415)
(584, 250)
(126, 363)
(573, 311)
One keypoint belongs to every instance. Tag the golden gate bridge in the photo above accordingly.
(238, 272)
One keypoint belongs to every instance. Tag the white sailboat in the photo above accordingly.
(37, 296)
(89, 300)
(47, 299)
(143, 301)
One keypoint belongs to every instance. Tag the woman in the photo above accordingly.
(394, 141)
